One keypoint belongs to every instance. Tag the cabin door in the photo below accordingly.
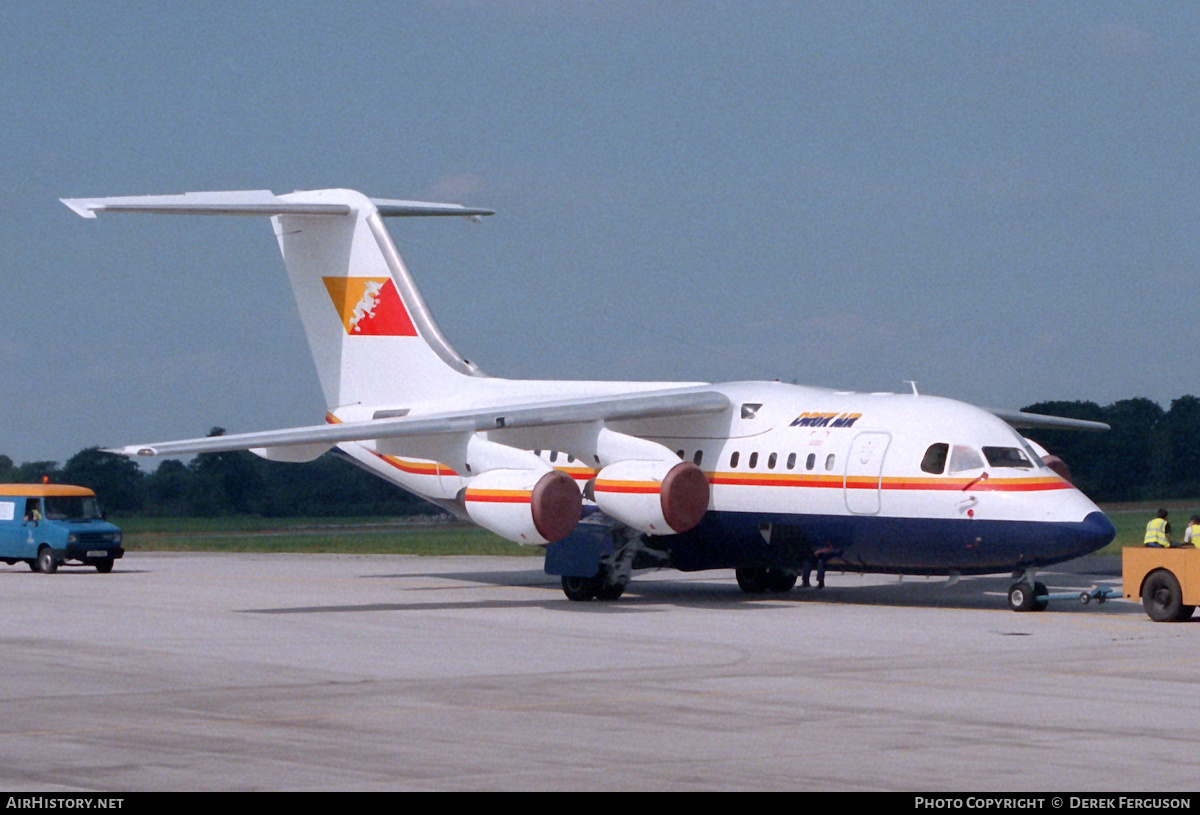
(864, 472)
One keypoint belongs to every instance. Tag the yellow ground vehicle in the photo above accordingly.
(1167, 580)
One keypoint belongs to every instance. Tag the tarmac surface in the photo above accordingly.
(343, 672)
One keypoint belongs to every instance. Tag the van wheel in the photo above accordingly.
(1163, 598)
(46, 563)
(104, 566)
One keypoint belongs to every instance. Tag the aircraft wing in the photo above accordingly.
(1021, 420)
(618, 407)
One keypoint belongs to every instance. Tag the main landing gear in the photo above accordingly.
(760, 580)
(616, 570)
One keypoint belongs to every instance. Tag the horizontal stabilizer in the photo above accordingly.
(646, 405)
(1021, 420)
(257, 202)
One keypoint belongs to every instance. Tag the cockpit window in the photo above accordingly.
(935, 458)
(1007, 457)
(965, 458)
(1033, 455)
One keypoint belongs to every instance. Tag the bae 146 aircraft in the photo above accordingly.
(612, 477)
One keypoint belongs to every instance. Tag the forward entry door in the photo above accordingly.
(864, 471)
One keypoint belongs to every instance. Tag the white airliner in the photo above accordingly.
(759, 477)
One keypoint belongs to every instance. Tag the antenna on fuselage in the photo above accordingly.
(914, 386)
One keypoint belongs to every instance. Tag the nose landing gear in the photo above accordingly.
(1028, 595)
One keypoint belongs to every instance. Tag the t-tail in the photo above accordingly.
(373, 339)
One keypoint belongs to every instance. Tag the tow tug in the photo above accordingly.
(1167, 580)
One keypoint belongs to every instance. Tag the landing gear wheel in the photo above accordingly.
(1024, 597)
(104, 566)
(1039, 597)
(1163, 598)
(752, 580)
(610, 591)
(579, 589)
(46, 564)
(780, 581)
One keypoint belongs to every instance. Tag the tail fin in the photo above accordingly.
(372, 337)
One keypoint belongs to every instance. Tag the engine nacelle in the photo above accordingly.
(655, 497)
(524, 506)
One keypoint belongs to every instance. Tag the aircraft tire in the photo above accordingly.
(104, 566)
(780, 581)
(1162, 598)
(1023, 597)
(752, 579)
(46, 564)
(579, 589)
(610, 591)
(1039, 597)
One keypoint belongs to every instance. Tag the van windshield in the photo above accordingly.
(72, 508)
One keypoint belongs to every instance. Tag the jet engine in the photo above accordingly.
(524, 506)
(655, 497)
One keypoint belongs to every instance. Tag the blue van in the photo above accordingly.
(45, 525)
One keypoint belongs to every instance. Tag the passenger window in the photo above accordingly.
(964, 458)
(771, 462)
(733, 460)
(753, 460)
(696, 459)
(679, 453)
(553, 456)
(935, 458)
(811, 461)
(829, 462)
(791, 461)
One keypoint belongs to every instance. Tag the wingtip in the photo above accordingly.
(80, 206)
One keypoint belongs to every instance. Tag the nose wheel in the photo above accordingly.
(1026, 596)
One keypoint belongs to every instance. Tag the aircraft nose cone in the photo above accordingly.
(1095, 532)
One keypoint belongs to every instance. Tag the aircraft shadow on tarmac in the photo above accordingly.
(658, 592)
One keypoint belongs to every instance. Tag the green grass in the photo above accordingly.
(385, 536)
(1131, 519)
(400, 536)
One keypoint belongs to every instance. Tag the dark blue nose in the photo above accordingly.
(1094, 532)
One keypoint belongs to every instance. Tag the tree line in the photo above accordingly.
(217, 484)
(1150, 453)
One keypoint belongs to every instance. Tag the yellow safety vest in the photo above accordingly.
(1156, 532)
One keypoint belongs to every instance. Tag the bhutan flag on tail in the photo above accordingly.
(370, 306)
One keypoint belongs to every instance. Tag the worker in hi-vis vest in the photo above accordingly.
(1191, 535)
(1158, 531)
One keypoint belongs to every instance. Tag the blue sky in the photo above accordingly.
(997, 200)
